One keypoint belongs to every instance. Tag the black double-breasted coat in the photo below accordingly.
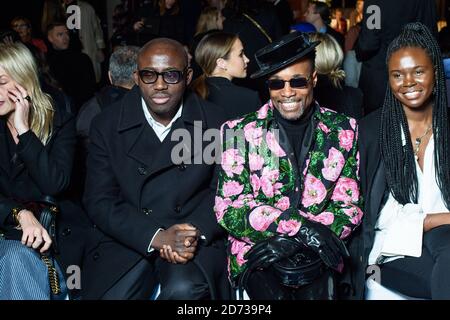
(133, 188)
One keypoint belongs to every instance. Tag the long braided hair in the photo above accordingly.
(399, 161)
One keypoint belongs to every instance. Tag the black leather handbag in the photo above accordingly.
(45, 210)
(47, 218)
(300, 269)
(297, 269)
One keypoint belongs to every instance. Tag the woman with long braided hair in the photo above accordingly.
(405, 173)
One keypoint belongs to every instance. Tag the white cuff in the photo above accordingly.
(404, 236)
(150, 249)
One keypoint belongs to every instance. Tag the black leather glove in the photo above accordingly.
(269, 251)
(266, 252)
(325, 242)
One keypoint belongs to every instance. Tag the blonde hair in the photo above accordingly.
(212, 47)
(19, 64)
(329, 58)
(207, 20)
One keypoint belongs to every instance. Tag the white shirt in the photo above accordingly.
(400, 228)
(161, 130)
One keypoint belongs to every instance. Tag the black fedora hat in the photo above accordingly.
(282, 53)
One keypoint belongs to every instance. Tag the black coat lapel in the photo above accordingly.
(4, 161)
(141, 144)
(163, 155)
(193, 125)
(134, 128)
(294, 196)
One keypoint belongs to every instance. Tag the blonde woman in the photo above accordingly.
(331, 90)
(37, 142)
(221, 57)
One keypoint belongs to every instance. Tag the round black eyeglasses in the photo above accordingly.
(169, 76)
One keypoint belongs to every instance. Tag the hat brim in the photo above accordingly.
(285, 63)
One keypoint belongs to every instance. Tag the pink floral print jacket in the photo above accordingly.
(260, 192)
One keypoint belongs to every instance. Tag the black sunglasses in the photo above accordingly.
(169, 77)
(297, 83)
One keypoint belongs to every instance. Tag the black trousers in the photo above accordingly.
(425, 277)
(264, 285)
(177, 281)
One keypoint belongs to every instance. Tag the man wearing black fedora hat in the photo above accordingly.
(288, 191)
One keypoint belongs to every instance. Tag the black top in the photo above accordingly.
(346, 100)
(11, 150)
(236, 101)
(74, 72)
(295, 129)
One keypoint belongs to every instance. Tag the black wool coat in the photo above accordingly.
(236, 101)
(44, 171)
(133, 188)
(373, 187)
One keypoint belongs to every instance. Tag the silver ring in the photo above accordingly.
(18, 100)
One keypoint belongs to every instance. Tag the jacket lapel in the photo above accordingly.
(163, 155)
(4, 161)
(14, 170)
(377, 187)
(141, 144)
(295, 195)
(272, 124)
(135, 130)
(57, 124)
(193, 124)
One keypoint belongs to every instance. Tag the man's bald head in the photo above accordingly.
(164, 45)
